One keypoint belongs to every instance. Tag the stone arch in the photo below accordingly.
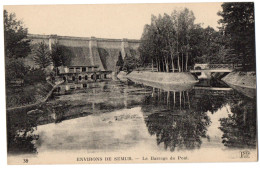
(92, 76)
(197, 68)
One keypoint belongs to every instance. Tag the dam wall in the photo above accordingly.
(89, 51)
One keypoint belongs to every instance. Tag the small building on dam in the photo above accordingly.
(91, 58)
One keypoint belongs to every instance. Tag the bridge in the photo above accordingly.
(207, 71)
(213, 68)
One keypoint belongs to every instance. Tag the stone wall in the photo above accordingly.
(96, 51)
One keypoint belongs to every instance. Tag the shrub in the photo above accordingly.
(35, 76)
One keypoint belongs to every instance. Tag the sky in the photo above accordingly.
(105, 21)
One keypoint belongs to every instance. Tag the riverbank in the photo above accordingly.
(241, 79)
(163, 77)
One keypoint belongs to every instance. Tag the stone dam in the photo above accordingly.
(89, 51)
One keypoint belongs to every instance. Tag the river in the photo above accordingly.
(116, 116)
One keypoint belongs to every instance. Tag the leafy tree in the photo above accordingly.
(184, 23)
(34, 75)
(16, 47)
(166, 41)
(61, 56)
(130, 63)
(42, 56)
(14, 68)
(238, 25)
(15, 43)
(208, 46)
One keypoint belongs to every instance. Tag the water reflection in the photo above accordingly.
(178, 116)
(239, 129)
(20, 133)
(174, 120)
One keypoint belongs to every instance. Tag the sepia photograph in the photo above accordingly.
(130, 83)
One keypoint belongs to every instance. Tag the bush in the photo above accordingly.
(35, 76)
(130, 63)
(14, 69)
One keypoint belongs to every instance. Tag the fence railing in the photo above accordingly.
(221, 66)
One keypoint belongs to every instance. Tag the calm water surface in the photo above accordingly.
(116, 116)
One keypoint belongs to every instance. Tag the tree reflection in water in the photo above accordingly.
(180, 119)
(22, 123)
(20, 137)
(174, 121)
(239, 127)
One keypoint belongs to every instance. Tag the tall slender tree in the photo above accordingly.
(166, 40)
(42, 56)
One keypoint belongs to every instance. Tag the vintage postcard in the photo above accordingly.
(130, 83)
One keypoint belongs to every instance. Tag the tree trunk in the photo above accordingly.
(172, 62)
(187, 57)
(179, 66)
(167, 65)
(178, 45)
(163, 66)
(152, 65)
(157, 63)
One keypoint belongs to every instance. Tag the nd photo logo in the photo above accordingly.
(245, 154)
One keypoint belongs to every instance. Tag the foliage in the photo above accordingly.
(173, 42)
(238, 26)
(166, 41)
(34, 76)
(15, 69)
(130, 63)
(42, 56)
(15, 43)
(120, 61)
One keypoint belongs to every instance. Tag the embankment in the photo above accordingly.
(241, 79)
(166, 81)
(163, 77)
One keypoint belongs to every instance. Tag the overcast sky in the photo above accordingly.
(104, 21)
